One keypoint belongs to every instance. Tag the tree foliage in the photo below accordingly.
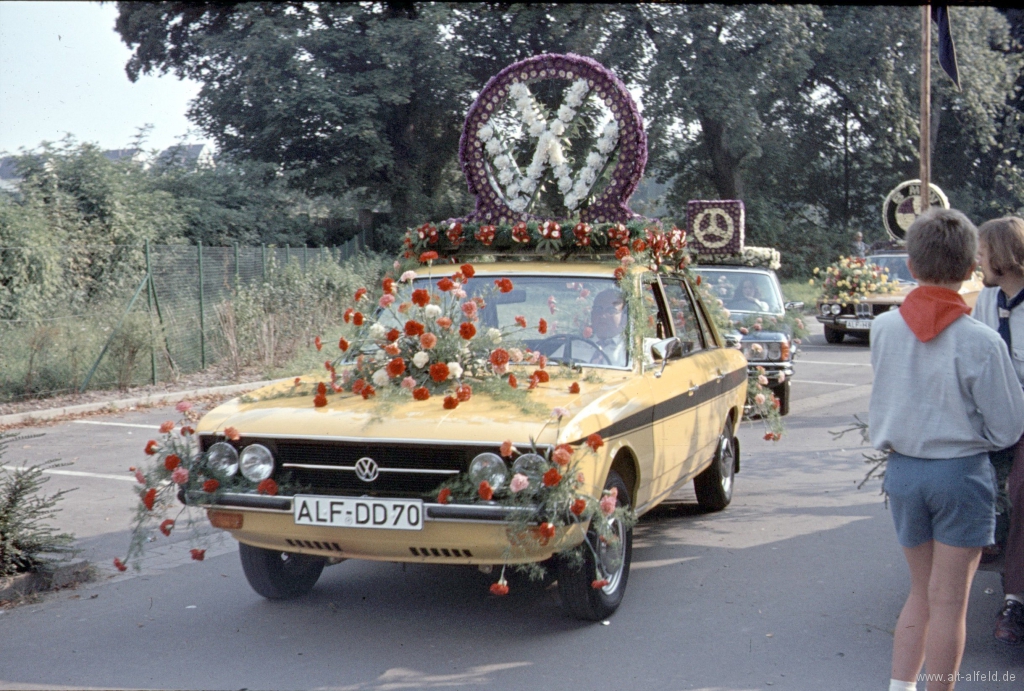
(809, 114)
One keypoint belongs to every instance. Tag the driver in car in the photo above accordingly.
(608, 321)
(604, 343)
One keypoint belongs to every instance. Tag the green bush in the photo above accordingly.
(26, 541)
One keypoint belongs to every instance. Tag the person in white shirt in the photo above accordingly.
(608, 322)
(1001, 306)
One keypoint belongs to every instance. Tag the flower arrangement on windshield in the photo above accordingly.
(429, 342)
(851, 279)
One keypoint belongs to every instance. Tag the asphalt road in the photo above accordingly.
(796, 585)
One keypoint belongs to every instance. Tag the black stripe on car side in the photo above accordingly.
(673, 406)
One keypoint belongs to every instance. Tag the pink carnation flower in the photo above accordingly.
(180, 475)
(469, 309)
(559, 412)
(609, 501)
(183, 406)
(409, 383)
(386, 300)
(519, 483)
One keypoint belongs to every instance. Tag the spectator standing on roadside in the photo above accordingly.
(945, 394)
(1001, 257)
(859, 248)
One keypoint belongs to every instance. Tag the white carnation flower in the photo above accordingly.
(528, 185)
(503, 161)
(571, 201)
(565, 113)
(494, 335)
(611, 130)
(537, 128)
(512, 190)
(420, 359)
(561, 171)
(454, 370)
(432, 311)
(505, 176)
(555, 154)
(588, 175)
(377, 331)
(605, 145)
(518, 204)
(535, 170)
(594, 160)
(564, 185)
(380, 377)
(493, 147)
(486, 133)
(518, 90)
(558, 128)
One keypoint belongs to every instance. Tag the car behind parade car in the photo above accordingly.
(514, 395)
(749, 294)
(841, 316)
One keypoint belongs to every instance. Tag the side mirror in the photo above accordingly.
(732, 340)
(667, 348)
(794, 305)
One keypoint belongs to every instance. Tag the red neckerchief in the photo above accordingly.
(928, 310)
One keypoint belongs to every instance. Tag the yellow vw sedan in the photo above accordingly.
(633, 359)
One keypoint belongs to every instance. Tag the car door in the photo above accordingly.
(682, 385)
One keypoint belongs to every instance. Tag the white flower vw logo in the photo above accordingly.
(367, 469)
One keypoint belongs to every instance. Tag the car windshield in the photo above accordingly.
(585, 317)
(743, 291)
(896, 264)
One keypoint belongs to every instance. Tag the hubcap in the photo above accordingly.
(727, 463)
(611, 557)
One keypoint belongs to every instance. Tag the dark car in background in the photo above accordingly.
(748, 294)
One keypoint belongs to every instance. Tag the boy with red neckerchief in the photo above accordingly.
(945, 394)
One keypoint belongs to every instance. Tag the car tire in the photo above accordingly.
(714, 486)
(279, 575)
(781, 392)
(575, 579)
(833, 336)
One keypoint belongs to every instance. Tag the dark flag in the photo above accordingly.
(947, 51)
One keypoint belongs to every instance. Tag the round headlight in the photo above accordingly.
(257, 462)
(222, 459)
(775, 351)
(826, 309)
(490, 468)
(531, 465)
(836, 309)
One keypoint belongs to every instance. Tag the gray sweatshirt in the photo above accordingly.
(956, 395)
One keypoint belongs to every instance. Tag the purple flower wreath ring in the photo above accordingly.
(505, 191)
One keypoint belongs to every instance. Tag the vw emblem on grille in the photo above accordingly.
(367, 469)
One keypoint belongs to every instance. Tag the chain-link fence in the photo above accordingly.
(117, 318)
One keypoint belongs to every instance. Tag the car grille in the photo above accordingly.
(406, 470)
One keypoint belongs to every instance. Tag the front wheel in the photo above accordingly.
(714, 486)
(833, 335)
(279, 575)
(601, 561)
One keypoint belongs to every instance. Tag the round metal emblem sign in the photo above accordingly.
(367, 469)
(903, 205)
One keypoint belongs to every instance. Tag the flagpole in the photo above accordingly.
(926, 102)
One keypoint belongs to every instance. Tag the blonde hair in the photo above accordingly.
(942, 245)
(1005, 240)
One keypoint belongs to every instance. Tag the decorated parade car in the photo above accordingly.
(852, 300)
(523, 385)
(767, 327)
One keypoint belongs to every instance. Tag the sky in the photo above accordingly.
(62, 71)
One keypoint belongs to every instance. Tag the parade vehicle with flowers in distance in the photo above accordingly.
(525, 382)
(856, 290)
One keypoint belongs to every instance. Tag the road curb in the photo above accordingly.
(63, 576)
(17, 419)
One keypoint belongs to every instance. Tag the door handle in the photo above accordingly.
(692, 390)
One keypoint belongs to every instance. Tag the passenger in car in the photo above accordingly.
(748, 297)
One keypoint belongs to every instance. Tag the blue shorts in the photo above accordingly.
(952, 501)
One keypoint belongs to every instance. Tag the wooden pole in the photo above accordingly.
(926, 102)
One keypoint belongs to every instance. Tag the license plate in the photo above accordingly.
(859, 324)
(348, 512)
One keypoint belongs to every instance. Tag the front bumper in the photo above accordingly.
(772, 370)
(847, 323)
(451, 534)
